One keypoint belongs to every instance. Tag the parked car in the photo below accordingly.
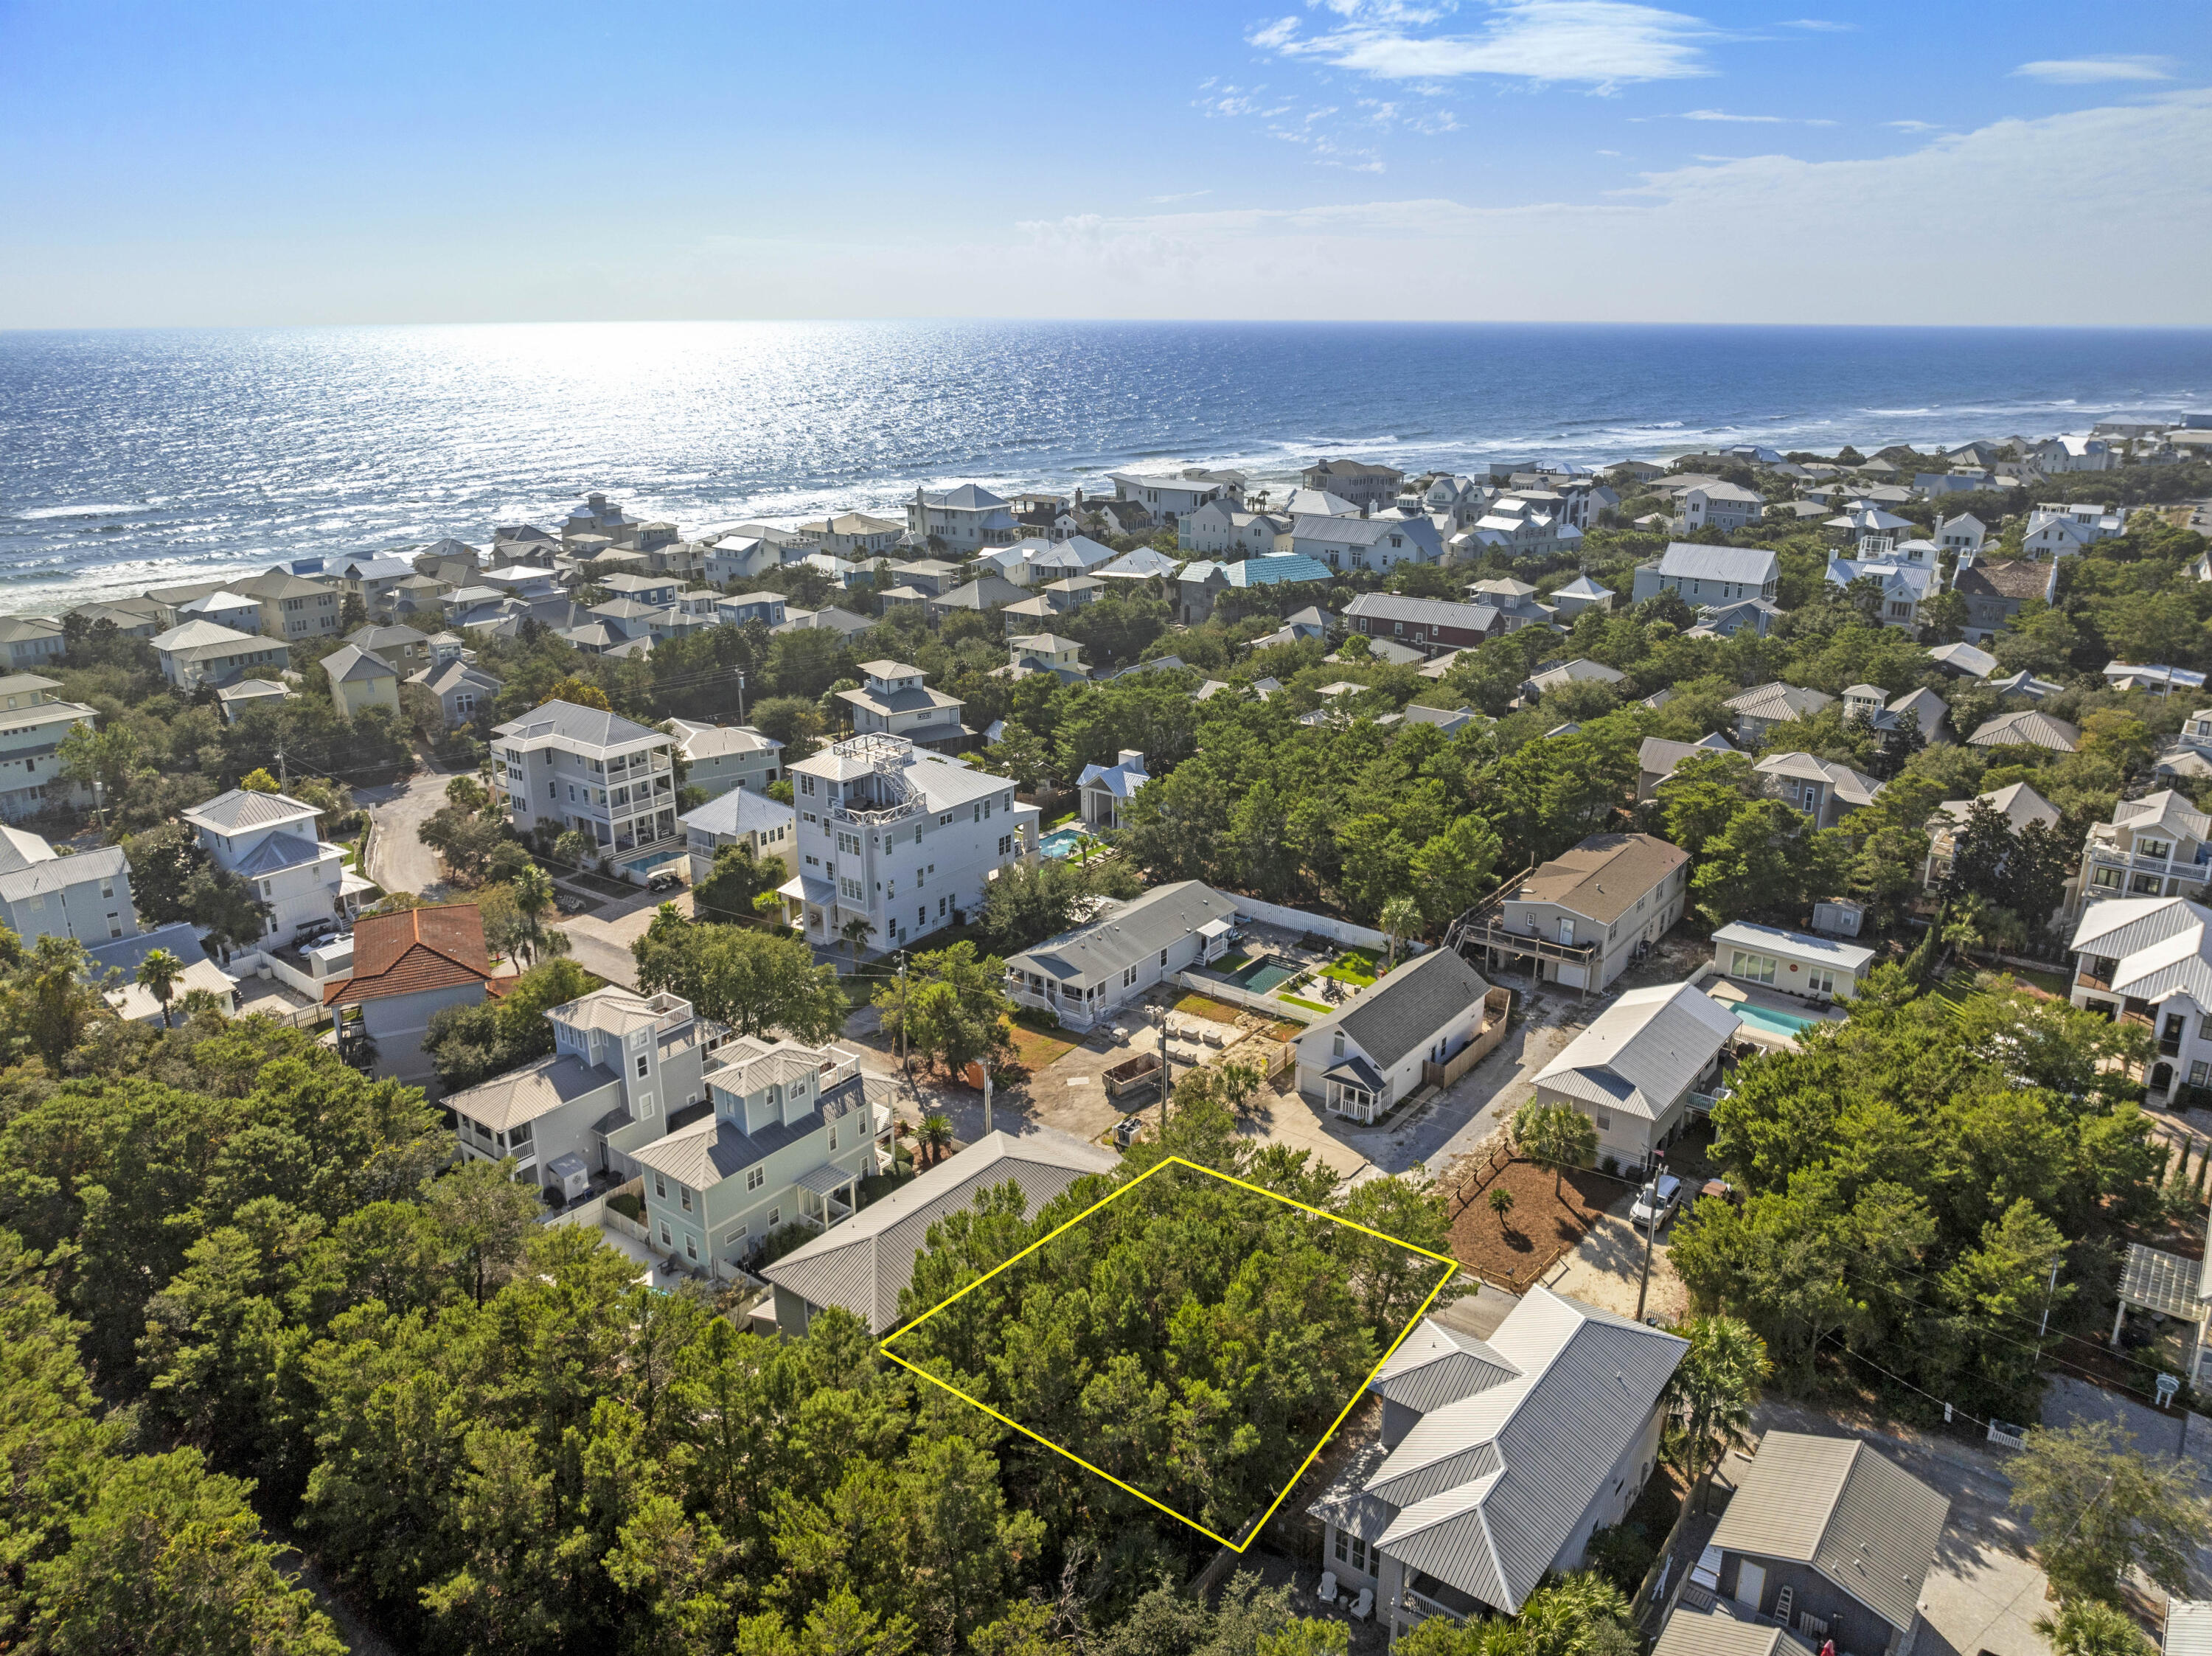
(1656, 1201)
(665, 880)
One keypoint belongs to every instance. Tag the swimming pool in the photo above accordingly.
(647, 863)
(1262, 975)
(1765, 1017)
(1063, 841)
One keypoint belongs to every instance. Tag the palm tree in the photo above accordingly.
(532, 889)
(856, 933)
(1501, 1203)
(1400, 918)
(1714, 1387)
(2089, 1627)
(202, 1003)
(159, 975)
(1557, 1134)
(935, 1135)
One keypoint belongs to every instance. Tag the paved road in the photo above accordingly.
(599, 941)
(399, 861)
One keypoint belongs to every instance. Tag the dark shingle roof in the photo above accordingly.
(1405, 1010)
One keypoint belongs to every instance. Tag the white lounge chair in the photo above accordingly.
(1362, 1604)
(1327, 1592)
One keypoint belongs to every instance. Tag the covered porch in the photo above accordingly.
(827, 1195)
(1356, 1090)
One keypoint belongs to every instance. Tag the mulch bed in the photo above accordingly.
(1541, 1228)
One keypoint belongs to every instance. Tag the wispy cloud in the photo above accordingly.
(1913, 126)
(1598, 43)
(1722, 115)
(1559, 258)
(2090, 71)
(1185, 195)
(1820, 25)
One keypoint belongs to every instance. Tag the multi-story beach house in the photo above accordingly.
(2159, 845)
(86, 896)
(721, 757)
(966, 519)
(33, 726)
(2147, 961)
(625, 1069)
(1709, 574)
(789, 1134)
(270, 841)
(1168, 495)
(1359, 481)
(565, 767)
(899, 837)
(892, 701)
(197, 652)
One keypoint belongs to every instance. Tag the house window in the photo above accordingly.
(644, 1066)
(684, 1193)
(660, 1187)
(666, 1240)
(833, 1137)
(775, 1217)
(754, 1178)
(690, 1249)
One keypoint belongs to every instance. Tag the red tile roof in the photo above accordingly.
(413, 950)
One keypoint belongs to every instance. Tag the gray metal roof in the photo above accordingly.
(534, 1090)
(740, 810)
(865, 1263)
(1434, 1366)
(1714, 1633)
(1403, 1011)
(1122, 936)
(1644, 1051)
(1747, 565)
(1490, 1488)
(706, 1153)
(2187, 1628)
(1863, 1521)
(1422, 612)
(240, 808)
(590, 727)
(58, 873)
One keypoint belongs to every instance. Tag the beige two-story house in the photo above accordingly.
(1580, 919)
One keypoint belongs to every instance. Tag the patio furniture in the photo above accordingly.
(1327, 1592)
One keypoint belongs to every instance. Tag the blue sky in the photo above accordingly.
(1554, 160)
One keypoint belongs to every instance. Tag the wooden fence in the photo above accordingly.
(1498, 1010)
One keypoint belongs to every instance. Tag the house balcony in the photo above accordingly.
(1487, 929)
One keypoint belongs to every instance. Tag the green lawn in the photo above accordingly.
(1310, 1005)
(1355, 966)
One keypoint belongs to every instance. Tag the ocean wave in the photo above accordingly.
(39, 514)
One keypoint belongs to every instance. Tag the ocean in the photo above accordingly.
(128, 458)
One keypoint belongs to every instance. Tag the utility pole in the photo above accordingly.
(1650, 1229)
(987, 1094)
(1166, 1064)
(2048, 1290)
(741, 698)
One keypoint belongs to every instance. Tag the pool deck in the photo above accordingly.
(1730, 993)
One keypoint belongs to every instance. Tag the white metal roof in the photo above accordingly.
(1644, 1051)
(1743, 934)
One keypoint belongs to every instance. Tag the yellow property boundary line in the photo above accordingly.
(1253, 1528)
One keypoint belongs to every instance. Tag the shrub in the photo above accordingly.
(1622, 1555)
